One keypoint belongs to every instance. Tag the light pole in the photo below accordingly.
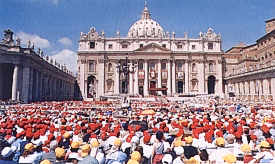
(125, 68)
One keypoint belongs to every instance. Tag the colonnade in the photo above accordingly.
(253, 90)
(30, 84)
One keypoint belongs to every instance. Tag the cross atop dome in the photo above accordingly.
(146, 12)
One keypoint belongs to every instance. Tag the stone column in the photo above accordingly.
(169, 78)
(26, 84)
(15, 82)
(260, 87)
(252, 87)
(101, 77)
(116, 82)
(219, 78)
(201, 77)
(159, 77)
(186, 76)
(136, 82)
(246, 87)
(265, 87)
(146, 88)
(82, 79)
(173, 77)
(131, 81)
(273, 88)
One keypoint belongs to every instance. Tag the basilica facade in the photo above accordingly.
(149, 61)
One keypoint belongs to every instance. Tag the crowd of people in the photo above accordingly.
(160, 132)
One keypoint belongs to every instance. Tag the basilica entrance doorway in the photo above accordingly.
(211, 84)
(180, 86)
(140, 90)
(153, 88)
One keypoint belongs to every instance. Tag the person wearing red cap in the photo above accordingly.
(147, 148)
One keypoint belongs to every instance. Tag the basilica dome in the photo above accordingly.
(146, 27)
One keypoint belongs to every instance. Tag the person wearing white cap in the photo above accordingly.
(167, 159)
(180, 155)
(7, 155)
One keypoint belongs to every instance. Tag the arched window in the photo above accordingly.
(211, 67)
(194, 67)
(110, 67)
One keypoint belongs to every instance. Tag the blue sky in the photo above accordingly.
(55, 25)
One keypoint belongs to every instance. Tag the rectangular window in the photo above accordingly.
(210, 46)
(163, 66)
(124, 46)
(110, 46)
(140, 66)
(141, 45)
(91, 66)
(179, 67)
(193, 47)
(152, 66)
(164, 45)
(179, 46)
(92, 44)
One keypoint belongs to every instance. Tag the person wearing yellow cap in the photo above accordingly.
(95, 151)
(29, 156)
(73, 154)
(266, 155)
(189, 150)
(229, 158)
(45, 162)
(115, 154)
(60, 155)
(218, 154)
(65, 142)
(85, 154)
(136, 156)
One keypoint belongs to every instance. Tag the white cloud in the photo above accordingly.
(65, 41)
(55, 2)
(37, 40)
(67, 57)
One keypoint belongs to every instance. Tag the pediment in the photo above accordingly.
(153, 48)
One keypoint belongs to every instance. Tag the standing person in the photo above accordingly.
(158, 148)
